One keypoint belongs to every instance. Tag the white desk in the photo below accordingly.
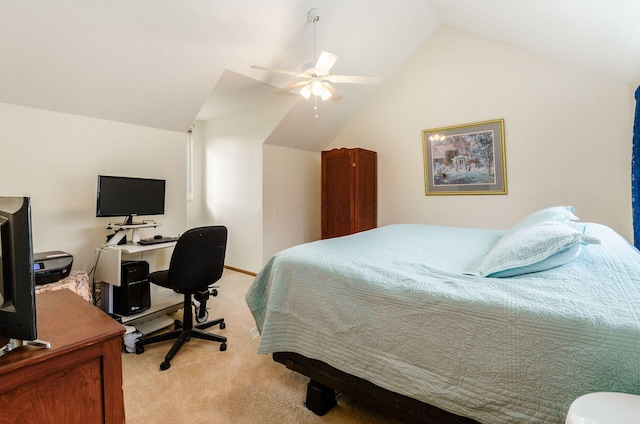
(108, 270)
(110, 258)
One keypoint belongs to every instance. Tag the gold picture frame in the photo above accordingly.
(465, 159)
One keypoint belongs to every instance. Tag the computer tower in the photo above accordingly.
(134, 294)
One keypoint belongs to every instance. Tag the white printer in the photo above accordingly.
(49, 267)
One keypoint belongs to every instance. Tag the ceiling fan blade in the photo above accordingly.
(296, 85)
(279, 71)
(325, 62)
(352, 79)
(334, 94)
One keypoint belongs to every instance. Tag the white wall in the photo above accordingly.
(233, 188)
(233, 175)
(567, 134)
(55, 159)
(291, 198)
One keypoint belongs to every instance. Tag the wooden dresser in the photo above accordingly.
(78, 380)
(349, 191)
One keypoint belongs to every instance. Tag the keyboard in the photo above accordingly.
(148, 241)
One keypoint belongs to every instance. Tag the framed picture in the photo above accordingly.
(465, 159)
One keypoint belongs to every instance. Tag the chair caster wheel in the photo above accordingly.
(164, 366)
(222, 325)
(139, 350)
(223, 347)
(204, 318)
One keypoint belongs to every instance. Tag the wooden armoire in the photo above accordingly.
(349, 191)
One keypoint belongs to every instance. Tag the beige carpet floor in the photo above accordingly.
(205, 385)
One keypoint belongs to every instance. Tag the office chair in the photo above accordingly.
(196, 263)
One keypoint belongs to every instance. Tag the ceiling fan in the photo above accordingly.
(316, 79)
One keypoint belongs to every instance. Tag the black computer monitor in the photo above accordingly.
(129, 197)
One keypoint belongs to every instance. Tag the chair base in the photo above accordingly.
(183, 332)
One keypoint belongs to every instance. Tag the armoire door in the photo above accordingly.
(349, 191)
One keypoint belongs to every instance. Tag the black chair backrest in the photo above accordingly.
(198, 258)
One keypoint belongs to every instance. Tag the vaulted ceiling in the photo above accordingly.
(166, 63)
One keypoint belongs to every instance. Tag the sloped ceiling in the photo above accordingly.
(166, 63)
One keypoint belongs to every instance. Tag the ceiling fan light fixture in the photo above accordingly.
(316, 87)
(305, 91)
(326, 94)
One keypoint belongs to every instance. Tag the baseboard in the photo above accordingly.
(240, 270)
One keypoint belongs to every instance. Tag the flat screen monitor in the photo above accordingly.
(129, 197)
(17, 282)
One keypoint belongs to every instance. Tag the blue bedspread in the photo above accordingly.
(393, 306)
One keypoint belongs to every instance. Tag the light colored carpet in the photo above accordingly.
(239, 386)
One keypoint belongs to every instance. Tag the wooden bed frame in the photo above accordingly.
(326, 380)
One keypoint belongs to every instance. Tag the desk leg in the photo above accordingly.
(106, 301)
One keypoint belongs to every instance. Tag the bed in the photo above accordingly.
(446, 324)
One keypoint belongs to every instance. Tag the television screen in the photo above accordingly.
(17, 284)
(128, 197)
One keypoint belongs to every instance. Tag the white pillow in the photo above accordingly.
(554, 213)
(534, 248)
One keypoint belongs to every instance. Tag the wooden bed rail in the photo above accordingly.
(395, 405)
